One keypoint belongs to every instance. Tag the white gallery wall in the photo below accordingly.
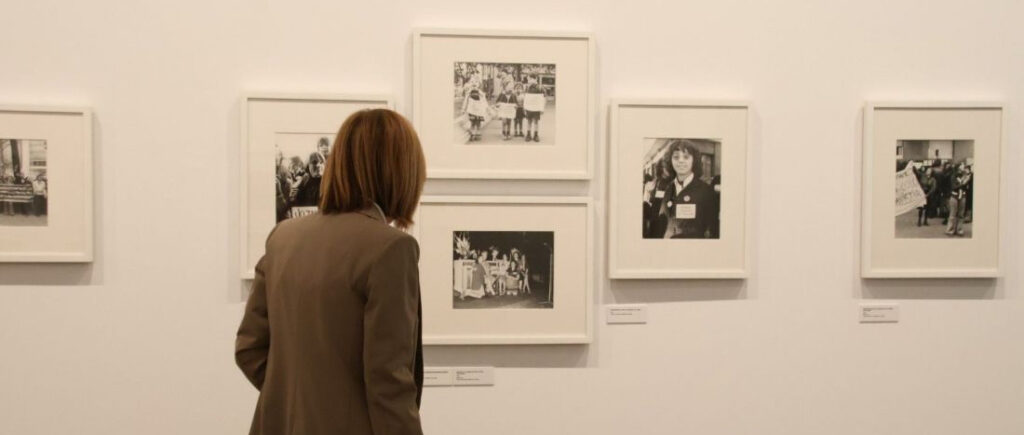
(141, 341)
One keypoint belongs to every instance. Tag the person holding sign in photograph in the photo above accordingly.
(520, 95)
(534, 106)
(475, 106)
(689, 202)
(506, 111)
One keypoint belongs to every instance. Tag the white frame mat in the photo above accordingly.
(883, 255)
(569, 156)
(264, 115)
(568, 321)
(630, 255)
(67, 236)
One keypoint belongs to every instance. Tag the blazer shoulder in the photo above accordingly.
(376, 234)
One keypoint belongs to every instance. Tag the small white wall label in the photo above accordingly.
(474, 376)
(438, 376)
(879, 313)
(625, 314)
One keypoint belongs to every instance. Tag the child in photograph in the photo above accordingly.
(524, 275)
(475, 106)
(39, 195)
(477, 284)
(512, 275)
(520, 113)
(533, 116)
(506, 111)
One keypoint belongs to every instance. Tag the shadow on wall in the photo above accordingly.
(43, 274)
(937, 289)
(525, 356)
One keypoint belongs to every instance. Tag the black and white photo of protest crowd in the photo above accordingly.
(681, 188)
(300, 162)
(24, 190)
(504, 103)
(934, 188)
(503, 269)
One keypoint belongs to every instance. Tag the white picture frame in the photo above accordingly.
(266, 120)
(893, 248)
(565, 151)
(638, 250)
(52, 220)
(560, 312)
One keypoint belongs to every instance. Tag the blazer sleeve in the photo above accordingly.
(391, 339)
(252, 343)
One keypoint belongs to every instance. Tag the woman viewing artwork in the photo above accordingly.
(331, 335)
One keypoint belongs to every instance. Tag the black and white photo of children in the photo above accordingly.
(681, 188)
(504, 103)
(502, 269)
(24, 188)
(934, 188)
(299, 165)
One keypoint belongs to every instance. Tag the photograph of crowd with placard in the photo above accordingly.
(504, 103)
(681, 188)
(300, 162)
(503, 269)
(934, 188)
(23, 183)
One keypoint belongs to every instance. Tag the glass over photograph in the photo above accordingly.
(504, 103)
(681, 188)
(23, 184)
(934, 188)
(503, 269)
(300, 160)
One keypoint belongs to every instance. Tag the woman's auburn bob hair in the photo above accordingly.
(376, 158)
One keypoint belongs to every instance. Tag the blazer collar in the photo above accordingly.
(374, 212)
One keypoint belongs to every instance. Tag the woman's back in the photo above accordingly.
(330, 315)
(331, 334)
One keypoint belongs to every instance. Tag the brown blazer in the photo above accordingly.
(331, 333)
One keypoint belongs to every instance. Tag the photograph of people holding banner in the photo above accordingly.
(492, 100)
(934, 180)
(23, 183)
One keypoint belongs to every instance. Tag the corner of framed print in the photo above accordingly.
(285, 143)
(504, 105)
(678, 189)
(46, 196)
(505, 270)
(931, 190)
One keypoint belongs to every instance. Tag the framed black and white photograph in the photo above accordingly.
(500, 105)
(505, 270)
(682, 186)
(23, 182)
(934, 188)
(931, 190)
(678, 189)
(286, 139)
(299, 166)
(46, 185)
(504, 103)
